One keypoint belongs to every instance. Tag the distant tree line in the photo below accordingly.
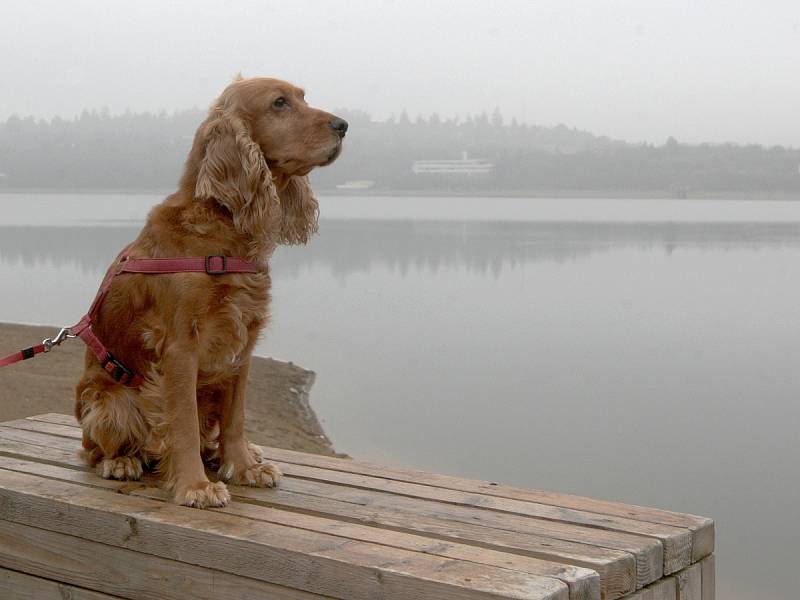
(146, 151)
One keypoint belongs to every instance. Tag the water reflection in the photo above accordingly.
(346, 247)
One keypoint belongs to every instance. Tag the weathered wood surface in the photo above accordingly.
(695, 582)
(708, 575)
(14, 584)
(346, 529)
(690, 583)
(664, 589)
(121, 572)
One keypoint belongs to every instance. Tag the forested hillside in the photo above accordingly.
(146, 151)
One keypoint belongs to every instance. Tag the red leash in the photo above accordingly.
(23, 354)
(214, 264)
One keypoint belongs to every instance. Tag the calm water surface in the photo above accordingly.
(644, 351)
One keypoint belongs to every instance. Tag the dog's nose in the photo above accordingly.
(339, 126)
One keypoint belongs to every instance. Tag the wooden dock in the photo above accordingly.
(335, 529)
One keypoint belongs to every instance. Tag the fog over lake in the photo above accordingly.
(560, 248)
(644, 351)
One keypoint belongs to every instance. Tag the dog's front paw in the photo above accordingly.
(259, 475)
(203, 495)
(122, 467)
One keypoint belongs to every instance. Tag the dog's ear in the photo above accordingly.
(299, 211)
(233, 171)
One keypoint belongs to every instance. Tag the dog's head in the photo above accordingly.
(253, 153)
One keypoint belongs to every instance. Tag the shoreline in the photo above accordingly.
(756, 195)
(279, 412)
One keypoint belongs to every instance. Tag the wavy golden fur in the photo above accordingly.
(244, 191)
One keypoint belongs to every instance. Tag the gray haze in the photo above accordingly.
(699, 71)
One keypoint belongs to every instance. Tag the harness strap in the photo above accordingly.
(213, 264)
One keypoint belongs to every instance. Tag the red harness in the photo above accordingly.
(214, 264)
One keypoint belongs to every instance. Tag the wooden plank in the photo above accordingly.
(616, 568)
(409, 513)
(702, 528)
(675, 540)
(584, 584)
(123, 573)
(53, 456)
(66, 446)
(31, 424)
(15, 585)
(709, 578)
(646, 551)
(701, 536)
(646, 548)
(615, 577)
(664, 589)
(690, 583)
(57, 418)
(268, 552)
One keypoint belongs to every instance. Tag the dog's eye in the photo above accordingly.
(280, 103)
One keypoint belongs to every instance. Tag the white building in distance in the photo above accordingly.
(463, 166)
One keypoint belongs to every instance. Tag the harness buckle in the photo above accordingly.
(64, 334)
(212, 271)
(116, 369)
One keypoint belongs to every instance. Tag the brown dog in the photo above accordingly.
(244, 191)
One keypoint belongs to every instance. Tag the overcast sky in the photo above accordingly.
(634, 70)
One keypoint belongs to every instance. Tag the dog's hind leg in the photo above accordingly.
(114, 430)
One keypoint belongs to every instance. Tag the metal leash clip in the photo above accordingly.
(64, 334)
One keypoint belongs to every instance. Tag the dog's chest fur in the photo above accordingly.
(235, 315)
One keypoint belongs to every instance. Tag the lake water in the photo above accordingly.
(645, 351)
